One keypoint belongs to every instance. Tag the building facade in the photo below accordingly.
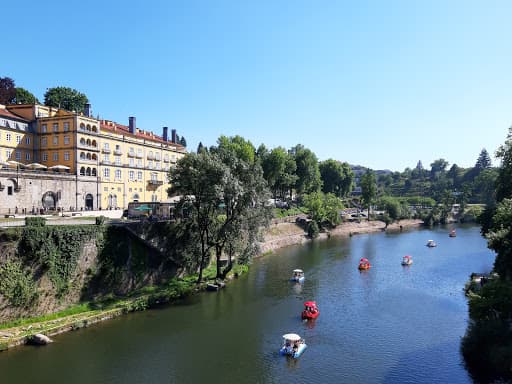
(100, 164)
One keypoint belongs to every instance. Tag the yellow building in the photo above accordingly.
(126, 163)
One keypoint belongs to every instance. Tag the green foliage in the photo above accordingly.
(313, 230)
(35, 221)
(65, 98)
(57, 249)
(337, 177)
(323, 208)
(16, 284)
(471, 214)
(100, 220)
(308, 172)
(283, 212)
(368, 189)
(24, 97)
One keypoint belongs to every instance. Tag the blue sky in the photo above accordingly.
(376, 83)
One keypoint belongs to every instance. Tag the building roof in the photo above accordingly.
(125, 130)
(5, 113)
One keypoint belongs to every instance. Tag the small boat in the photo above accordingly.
(407, 260)
(293, 345)
(298, 276)
(452, 233)
(431, 244)
(310, 310)
(364, 264)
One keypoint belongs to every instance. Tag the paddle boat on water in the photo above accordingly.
(452, 233)
(407, 260)
(431, 244)
(293, 345)
(298, 276)
(364, 264)
(310, 311)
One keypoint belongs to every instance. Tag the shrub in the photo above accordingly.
(313, 230)
(35, 221)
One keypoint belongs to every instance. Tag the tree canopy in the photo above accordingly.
(7, 90)
(337, 177)
(308, 172)
(24, 97)
(66, 98)
(368, 189)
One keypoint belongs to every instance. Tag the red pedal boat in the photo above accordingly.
(310, 310)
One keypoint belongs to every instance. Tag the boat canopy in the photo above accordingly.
(364, 260)
(310, 304)
(407, 257)
(291, 337)
(298, 271)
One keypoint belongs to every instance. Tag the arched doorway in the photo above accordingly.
(89, 202)
(49, 201)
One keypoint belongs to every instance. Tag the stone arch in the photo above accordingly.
(82, 171)
(88, 171)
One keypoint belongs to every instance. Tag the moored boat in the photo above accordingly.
(452, 233)
(407, 260)
(298, 276)
(364, 264)
(310, 310)
(293, 345)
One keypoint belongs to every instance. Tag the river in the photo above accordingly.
(391, 324)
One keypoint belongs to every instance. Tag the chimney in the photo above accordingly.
(164, 134)
(87, 110)
(173, 136)
(132, 125)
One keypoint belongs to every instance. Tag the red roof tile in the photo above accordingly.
(4, 112)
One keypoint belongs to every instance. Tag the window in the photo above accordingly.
(150, 164)
(139, 163)
(105, 189)
(27, 156)
(44, 141)
(66, 139)
(45, 156)
(106, 173)
(106, 146)
(56, 156)
(9, 190)
(131, 175)
(132, 163)
(82, 171)
(139, 152)
(8, 154)
(55, 127)
(18, 139)
(106, 158)
(157, 156)
(82, 127)
(118, 147)
(139, 175)
(66, 126)
(18, 155)
(118, 174)
(66, 156)
(27, 140)
(44, 128)
(8, 137)
(82, 155)
(55, 140)
(118, 160)
(154, 176)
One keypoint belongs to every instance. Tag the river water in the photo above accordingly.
(391, 324)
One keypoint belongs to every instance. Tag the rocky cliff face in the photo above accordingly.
(43, 274)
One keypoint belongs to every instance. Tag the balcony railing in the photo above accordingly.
(155, 182)
(151, 156)
(139, 155)
(131, 154)
(118, 152)
(106, 150)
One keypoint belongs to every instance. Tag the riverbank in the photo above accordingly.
(277, 236)
(286, 234)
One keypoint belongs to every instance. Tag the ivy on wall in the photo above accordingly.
(17, 285)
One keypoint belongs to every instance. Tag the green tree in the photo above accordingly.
(65, 98)
(243, 148)
(504, 180)
(183, 141)
(25, 97)
(308, 171)
(226, 196)
(368, 189)
(483, 161)
(7, 90)
(201, 148)
(323, 208)
(437, 168)
(336, 177)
